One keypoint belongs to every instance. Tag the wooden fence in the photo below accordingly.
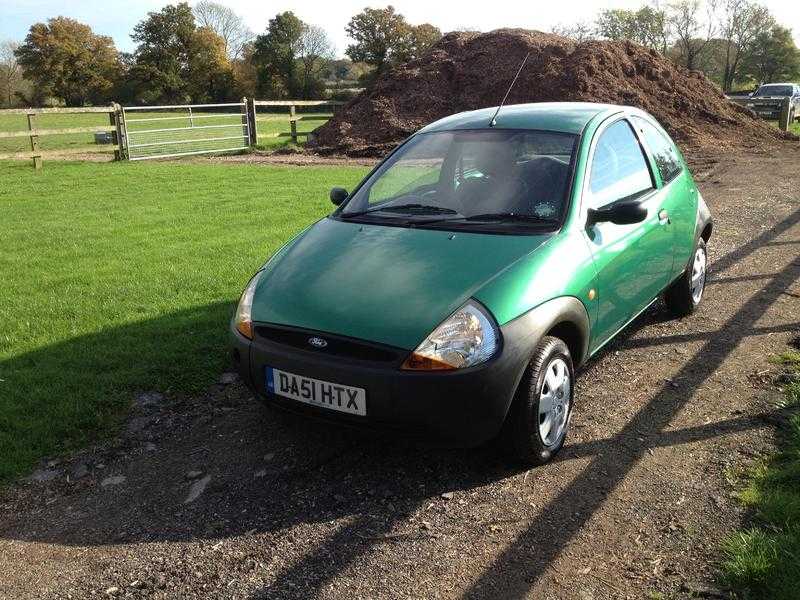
(119, 133)
(33, 132)
(292, 106)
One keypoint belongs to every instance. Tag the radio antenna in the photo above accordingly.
(493, 122)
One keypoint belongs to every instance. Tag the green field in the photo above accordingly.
(120, 278)
(273, 129)
(764, 560)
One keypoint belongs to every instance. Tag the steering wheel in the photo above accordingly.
(488, 183)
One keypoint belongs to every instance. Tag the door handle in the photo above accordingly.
(663, 217)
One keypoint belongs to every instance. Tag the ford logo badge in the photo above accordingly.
(317, 342)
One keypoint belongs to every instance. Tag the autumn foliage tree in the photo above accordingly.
(67, 60)
(176, 62)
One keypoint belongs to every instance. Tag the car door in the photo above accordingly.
(677, 190)
(633, 262)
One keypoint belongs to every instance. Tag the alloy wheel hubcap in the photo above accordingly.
(698, 275)
(554, 400)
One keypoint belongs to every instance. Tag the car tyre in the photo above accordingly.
(545, 394)
(686, 293)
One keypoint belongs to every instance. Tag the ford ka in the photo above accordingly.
(452, 294)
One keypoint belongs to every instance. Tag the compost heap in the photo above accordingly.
(468, 70)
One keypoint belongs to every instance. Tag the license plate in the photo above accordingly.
(334, 396)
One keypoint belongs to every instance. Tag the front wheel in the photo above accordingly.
(537, 423)
(685, 294)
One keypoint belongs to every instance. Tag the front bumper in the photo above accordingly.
(770, 111)
(458, 408)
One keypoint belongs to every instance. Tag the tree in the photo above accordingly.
(380, 34)
(616, 24)
(314, 50)
(176, 62)
(12, 84)
(275, 56)
(162, 57)
(65, 59)
(647, 26)
(693, 33)
(581, 31)
(211, 77)
(742, 22)
(418, 39)
(225, 23)
(773, 56)
(291, 57)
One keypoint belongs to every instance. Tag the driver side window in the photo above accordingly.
(619, 168)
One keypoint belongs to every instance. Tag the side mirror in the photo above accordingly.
(338, 195)
(619, 213)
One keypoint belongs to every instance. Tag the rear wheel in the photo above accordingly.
(537, 423)
(685, 294)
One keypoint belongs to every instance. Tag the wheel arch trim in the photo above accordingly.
(563, 317)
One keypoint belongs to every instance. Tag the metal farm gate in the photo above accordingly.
(182, 130)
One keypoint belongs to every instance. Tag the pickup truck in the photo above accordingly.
(768, 99)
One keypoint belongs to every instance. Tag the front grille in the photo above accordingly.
(336, 345)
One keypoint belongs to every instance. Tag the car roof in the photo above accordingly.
(564, 117)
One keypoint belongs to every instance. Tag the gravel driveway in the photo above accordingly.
(215, 496)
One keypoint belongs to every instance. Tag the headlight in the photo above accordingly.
(466, 338)
(243, 317)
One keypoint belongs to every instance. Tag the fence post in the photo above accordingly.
(783, 119)
(116, 135)
(123, 132)
(37, 158)
(253, 116)
(293, 124)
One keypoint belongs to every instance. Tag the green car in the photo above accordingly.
(453, 294)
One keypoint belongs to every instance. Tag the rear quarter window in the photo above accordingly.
(664, 153)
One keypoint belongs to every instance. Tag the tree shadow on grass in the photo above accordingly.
(70, 393)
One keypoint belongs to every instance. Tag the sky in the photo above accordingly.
(117, 19)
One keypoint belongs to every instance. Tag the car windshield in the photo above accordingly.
(466, 177)
(774, 90)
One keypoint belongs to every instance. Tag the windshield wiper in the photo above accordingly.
(414, 208)
(510, 216)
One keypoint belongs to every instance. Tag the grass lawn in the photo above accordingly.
(764, 561)
(121, 277)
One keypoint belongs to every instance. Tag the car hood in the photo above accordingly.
(391, 285)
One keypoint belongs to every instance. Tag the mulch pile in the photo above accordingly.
(467, 71)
